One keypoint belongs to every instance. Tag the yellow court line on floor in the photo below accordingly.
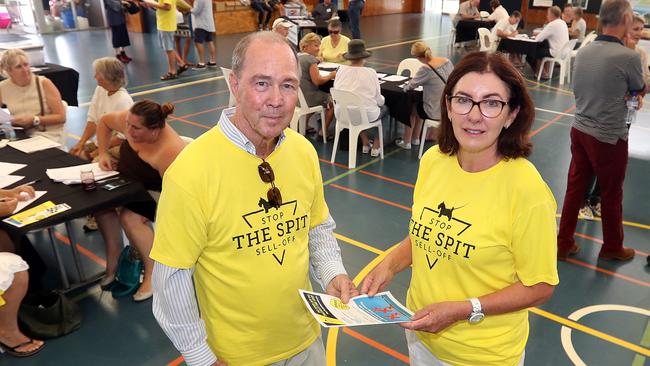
(627, 223)
(405, 42)
(645, 341)
(332, 335)
(564, 91)
(329, 181)
(591, 331)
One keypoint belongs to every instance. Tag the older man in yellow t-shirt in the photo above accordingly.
(242, 222)
(166, 23)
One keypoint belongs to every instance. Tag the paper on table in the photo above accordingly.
(324, 73)
(381, 75)
(33, 144)
(22, 204)
(4, 116)
(7, 180)
(328, 65)
(395, 78)
(8, 168)
(71, 174)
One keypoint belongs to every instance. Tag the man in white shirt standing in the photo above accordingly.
(499, 13)
(556, 33)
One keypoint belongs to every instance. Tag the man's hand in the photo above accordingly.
(434, 318)
(377, 280)
(106, 162)
(7, 206)
(342, 287)
(16, 193)
(77, 150)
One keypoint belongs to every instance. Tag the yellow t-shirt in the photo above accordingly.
(2, 301)
(250, 260)
(166, 19)
(331, 54)
(473, 234)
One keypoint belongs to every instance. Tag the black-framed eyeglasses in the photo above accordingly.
(489, 108)
(333, 31)
(273, 196)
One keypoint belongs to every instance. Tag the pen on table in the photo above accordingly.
(30, 183)
(101, 181)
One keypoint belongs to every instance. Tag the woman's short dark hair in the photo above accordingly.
(494, 4)
(334, 24)
(513, 142)
(152, 113)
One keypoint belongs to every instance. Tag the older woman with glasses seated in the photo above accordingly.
(335, 45)
(33, 101)
(481, 239)
(310, 78)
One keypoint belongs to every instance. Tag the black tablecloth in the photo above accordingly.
(528, 48)
(400, 103)
(65, 79)
(81, 202)
(467, 30)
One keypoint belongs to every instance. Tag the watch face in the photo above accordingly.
(475, 318)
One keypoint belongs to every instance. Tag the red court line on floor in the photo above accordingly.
(600, 241)
(180, 119)
(203, 112)
(369, 196)
(555, 119)
(198, 96)
(387, 179)
(335, 164)
(608, 272)
(177, 361)
(92, 256)
(387, 350)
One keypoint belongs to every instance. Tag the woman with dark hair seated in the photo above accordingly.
(482, 238)
(150, 147)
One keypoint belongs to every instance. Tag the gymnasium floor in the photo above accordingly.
(599, 314)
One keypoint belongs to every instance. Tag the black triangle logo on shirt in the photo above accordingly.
(282, 260)
(429, 261)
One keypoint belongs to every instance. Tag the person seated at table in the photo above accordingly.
(499, 13)
(110, 96)
(150, 147)
(335, 45)
(568, 14)
(13, 287)
(281, 26)
(363, 82)
(324, 11)
(33, 101)
(467, 10)
(556, 33)
(578, 26)
(507, 27)
(311, 79)
(432, 77)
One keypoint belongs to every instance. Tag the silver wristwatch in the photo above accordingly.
(477, 312)
(36, 121)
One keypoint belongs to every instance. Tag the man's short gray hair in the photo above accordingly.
(112, 70)
(239, 54)
(612, 12)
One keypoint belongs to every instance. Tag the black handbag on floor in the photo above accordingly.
(49, 315)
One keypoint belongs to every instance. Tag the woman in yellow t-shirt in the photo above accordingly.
(335, 45)
(481, 240)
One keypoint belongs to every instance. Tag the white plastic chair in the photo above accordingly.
(485, 40)
(563, 59)
(452, 32)
(226, 76)
(588, 39)
(351, 104)
(411, 64)
(299, 120)
(428, 123)
(483, 14)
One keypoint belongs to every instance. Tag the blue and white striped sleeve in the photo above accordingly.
(176, 310)
(325, 260)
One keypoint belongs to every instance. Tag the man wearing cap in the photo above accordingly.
(281, 26)
(363, 82)
(243, 234)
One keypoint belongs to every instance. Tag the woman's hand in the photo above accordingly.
(24, 121)
(77, 149)
(435, 318)
(332, 75)
(377, 280)
(28, 193)
(106, 162)
(7, 205)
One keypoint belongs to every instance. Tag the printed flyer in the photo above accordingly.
(330, 311)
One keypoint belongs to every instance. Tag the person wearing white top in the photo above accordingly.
(467, 11)
(507, 27)
(578, 25)
(109, 96)
(363, 82)
(499, 13)
(556, 33)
